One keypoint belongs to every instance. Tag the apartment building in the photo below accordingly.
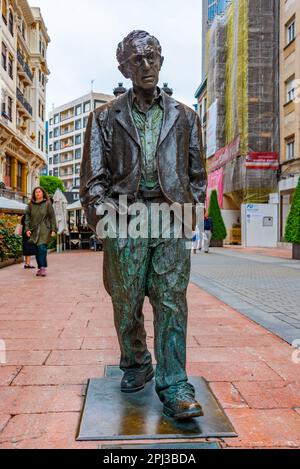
(289, 105)
(67, 126)
(23, 78)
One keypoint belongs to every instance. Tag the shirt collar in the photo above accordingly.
(158, 99)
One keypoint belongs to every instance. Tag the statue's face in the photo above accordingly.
(143, 63)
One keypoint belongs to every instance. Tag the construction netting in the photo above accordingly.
(243, 76)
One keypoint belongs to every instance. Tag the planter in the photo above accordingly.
(216, 243)
(10, 262)
(296, 251)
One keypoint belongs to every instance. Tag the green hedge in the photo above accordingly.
(10, 245)
(292, 231)
(220, 232)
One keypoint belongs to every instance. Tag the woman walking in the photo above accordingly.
(29, 249)
(40, 225)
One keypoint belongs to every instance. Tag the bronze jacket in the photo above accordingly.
(111, 164)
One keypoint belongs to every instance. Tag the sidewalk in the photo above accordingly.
(59, 332)
(282, 252)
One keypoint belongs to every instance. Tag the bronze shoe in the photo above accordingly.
(183, 405)
(135, 380)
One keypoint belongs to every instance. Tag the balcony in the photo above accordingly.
(13, 195)
(24, 102)
(25, 67)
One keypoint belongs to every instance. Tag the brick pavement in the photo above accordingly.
(59, 332)
(259, 285)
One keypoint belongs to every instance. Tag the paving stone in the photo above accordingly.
(270, 394)
(264, 428)
(56, 375)
(8, 373)
(229, 395)
(40, 399)
(243, 371)
(4, 418)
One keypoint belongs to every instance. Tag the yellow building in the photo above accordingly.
(289, 104)
(23, 78)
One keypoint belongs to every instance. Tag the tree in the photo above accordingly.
(292, 231)
(51, 183)
(220, 232)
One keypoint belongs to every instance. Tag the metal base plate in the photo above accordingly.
(110, 415)
(167, 446)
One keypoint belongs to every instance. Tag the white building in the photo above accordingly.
(23, 78)
(67, 126)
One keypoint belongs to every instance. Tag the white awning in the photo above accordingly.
(14, 205)
(75, 206)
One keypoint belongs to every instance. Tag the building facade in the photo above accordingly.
(201, 108)
(67, 126)
(23, 78)
(242, 128)
(289, 105)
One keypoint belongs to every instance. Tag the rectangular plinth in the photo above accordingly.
(111, 415)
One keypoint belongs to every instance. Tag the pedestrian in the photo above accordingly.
(40, 226)
(29, 249)
(208, 231)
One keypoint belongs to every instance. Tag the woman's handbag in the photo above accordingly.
(18, 230)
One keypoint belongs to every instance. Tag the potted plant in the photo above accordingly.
(219, 228)
(292, 231)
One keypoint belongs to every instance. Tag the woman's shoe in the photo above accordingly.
(43, 272)
(26, 266)
(39, 273)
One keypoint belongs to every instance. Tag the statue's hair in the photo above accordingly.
(123, 47)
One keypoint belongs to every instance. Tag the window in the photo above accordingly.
(56, 146)
(85, 121)
(98, 103)
(78, 110)
(56, 159)
(51, 147)
(290, 30)
(55, 172)
(77, 182)
(56, 119)
(78, 139)
(78, 124)
(51, 121)
(50, 172)
(4, 56)
(8, 171)
(78, 154)
(51, 134)
(77, 168)
(290, 89)
(11, 22)
(56, 132)
(87, 107)
(10, 66)
(290, 148)
(4, 11)
(51, 161)
(9, 108)
(19, 176)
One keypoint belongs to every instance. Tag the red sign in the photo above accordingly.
(262, 160)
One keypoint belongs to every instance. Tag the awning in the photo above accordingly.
(75, 206)
(11, 205)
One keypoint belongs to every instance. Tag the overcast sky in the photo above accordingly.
(85, 34)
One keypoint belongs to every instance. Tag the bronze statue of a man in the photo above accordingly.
(147, 146)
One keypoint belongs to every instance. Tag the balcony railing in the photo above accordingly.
(12, 195)
(24, 65)
(23, 101)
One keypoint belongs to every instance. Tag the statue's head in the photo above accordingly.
(140, 59)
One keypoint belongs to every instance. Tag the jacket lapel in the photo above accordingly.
(171, 115)
(124, 117)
